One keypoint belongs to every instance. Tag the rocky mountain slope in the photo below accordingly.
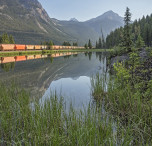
(29, 23)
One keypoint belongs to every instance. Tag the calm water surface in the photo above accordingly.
(68, 75)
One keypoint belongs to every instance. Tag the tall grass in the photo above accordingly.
(51, 124)
(128, 107)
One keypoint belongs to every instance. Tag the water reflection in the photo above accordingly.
(70, 89)
(31, 57)
(69, 75)
(77, 90)
(8, 63)
(8, 66)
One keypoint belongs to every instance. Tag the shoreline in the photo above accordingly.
(35, 52)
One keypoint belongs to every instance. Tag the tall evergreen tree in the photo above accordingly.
(100, 43)
(51, 43)
(103, 41)
(96, 45)
(0, 39)
(11, 40)
(140, 43)
(90, 44)
(127, 42)
(86, 46)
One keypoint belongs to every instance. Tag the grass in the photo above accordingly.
(51, 124)
(131, 108)
(20, 53)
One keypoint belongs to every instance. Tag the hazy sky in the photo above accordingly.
(86, 9)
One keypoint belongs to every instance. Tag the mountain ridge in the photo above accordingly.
(29, 23)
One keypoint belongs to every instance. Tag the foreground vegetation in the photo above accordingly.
(28, 123)
(129, 96)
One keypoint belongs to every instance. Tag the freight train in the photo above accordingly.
(17, 47)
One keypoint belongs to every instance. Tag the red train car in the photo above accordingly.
(7, 59)
(20, 47)
(20, 58)
(7, 47)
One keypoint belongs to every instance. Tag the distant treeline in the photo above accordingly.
(100, 43)
(49, 43)
(6, 39)
(140, 30)
(69, 44)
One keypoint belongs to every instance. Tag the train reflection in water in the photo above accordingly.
(4, 60)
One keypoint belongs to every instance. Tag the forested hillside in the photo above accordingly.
(140, 29)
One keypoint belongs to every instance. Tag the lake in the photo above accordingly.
(67, 75)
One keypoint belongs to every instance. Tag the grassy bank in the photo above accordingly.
(20, 53)
(51, 124)
(129, 97)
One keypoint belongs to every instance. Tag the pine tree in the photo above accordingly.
(0, 39)
(103, 41)
(140, 43)
(86, 46)
(96, 45)
(127, 42)
(90, 44)
(11, 40)
(100, 43)
(51, 43)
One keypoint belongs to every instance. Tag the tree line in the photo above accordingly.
(140, 33)
(65, 43)
(6, 39)
(100, 44)
(48, 43)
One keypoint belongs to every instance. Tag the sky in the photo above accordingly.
(86, 9)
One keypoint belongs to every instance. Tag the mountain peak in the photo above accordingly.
(109, 15)
(74, 19)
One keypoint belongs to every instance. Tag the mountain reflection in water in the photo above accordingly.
(69, 75)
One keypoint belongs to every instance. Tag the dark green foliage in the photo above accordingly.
(49, 43)
(96, 45)
(140, 43)
(11, 40)
(100, 43)
(66, 44)
(141, 28)
(114, 38)
(75, 44)
(8, 66)
(129, 97)
(86, 46)
(127, 42)
(6, 39)
(90, 44)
